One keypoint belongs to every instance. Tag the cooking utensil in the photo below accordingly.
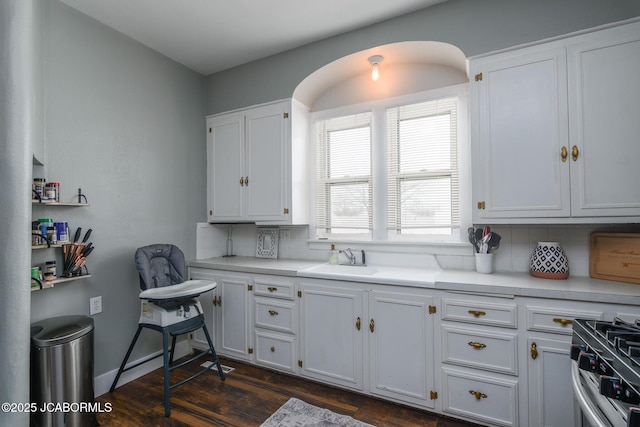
(494, 240)
(479, 236)
(472, 238)
(486, 230)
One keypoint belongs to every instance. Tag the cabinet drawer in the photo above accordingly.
(487, 399)
(556, 320)
(268, 287)
(276, 315)
(480, 313)
(276, 351)
(480, 349)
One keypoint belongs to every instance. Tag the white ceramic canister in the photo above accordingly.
(549, 261)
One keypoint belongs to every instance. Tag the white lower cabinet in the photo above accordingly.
(401, 347)
(331, 335)
(276, 323)
(480, 397)
(369, 339)
(230, 327)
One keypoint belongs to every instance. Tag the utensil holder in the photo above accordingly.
(484, 263)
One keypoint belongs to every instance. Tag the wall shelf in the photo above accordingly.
(50, 203)
(58, 281)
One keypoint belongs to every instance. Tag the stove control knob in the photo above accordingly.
(587, 361)
(633, 418)
(630, 396)
(576, 349)
(610, 387)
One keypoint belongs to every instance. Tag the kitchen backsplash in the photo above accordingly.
(518, 241)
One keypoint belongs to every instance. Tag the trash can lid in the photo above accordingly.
(60, 330)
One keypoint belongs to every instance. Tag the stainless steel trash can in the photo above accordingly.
(62, 372)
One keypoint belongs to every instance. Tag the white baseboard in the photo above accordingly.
(102, 383)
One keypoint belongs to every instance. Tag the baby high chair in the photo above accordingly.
(168, 305)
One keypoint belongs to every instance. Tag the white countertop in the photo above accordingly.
(501, 283)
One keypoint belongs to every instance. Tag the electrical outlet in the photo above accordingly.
(95, 305)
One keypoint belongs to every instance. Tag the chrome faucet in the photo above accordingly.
(351, 257)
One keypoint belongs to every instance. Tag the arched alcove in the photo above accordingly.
(408, 67)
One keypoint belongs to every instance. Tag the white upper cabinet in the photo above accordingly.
(253, 167)
(554, 130)
(604, 122)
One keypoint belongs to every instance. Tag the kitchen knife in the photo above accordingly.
(77, 235)
(86, 236)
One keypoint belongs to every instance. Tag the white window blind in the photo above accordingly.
(422, 168)
(343, 175)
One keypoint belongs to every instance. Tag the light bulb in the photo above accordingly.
(375, 74)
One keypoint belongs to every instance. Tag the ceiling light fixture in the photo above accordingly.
(375, 61)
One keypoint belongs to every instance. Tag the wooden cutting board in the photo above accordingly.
(615, 256)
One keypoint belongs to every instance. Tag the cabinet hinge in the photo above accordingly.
(299, 294)
(432, 309)
(481, 205)
(300, 363)
(478, 77)
(250, 350)
(285, 115)
(433, 395)
(286, 211)
(210, 212)
(249, 288)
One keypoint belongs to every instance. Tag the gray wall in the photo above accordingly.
(472, 25)
(126, 125)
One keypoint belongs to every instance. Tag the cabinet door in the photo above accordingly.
(603, 118)
(401, 347)
(233, 315)
(332, 325)
(267, 168)
(520, 102)
(225, 167)
(550, 383)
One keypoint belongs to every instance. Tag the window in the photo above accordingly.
(343, 175)
(411, 190)
(422, 169)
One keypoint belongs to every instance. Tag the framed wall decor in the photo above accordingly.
(267, 246)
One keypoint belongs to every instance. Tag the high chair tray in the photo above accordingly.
(190, 288)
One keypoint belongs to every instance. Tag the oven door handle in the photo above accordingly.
(585, 405)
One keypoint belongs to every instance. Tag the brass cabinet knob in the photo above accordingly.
(479, 395)
(563, 154)
(574, 153)
(358, 323)
(273, 349)
(477, 313)
(372, 325)
(246, 181)
(273, 312)
(534, 351)
(242, 181)
(562, 321)
(477, 345)
(272, 289)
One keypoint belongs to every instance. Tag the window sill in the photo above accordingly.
(395, 246)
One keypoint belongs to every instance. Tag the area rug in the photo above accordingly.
(297, 413)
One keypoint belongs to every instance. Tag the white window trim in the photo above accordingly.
(457, 243)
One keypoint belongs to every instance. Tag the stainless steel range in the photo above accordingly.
(606, 372)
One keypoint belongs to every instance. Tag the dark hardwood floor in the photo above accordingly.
(247, 398)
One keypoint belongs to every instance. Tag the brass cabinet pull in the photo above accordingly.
(574, 153)
(242, 181)
(372, 325)
(534, 351)
(272, 289)
(358, 323)
(219, 300)
(273, 349)
(246, 181)
(215, 302)
(273, 312)
(563, 322)
(479, 395)
(477, 345)
(563, 154)
(477, 313)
